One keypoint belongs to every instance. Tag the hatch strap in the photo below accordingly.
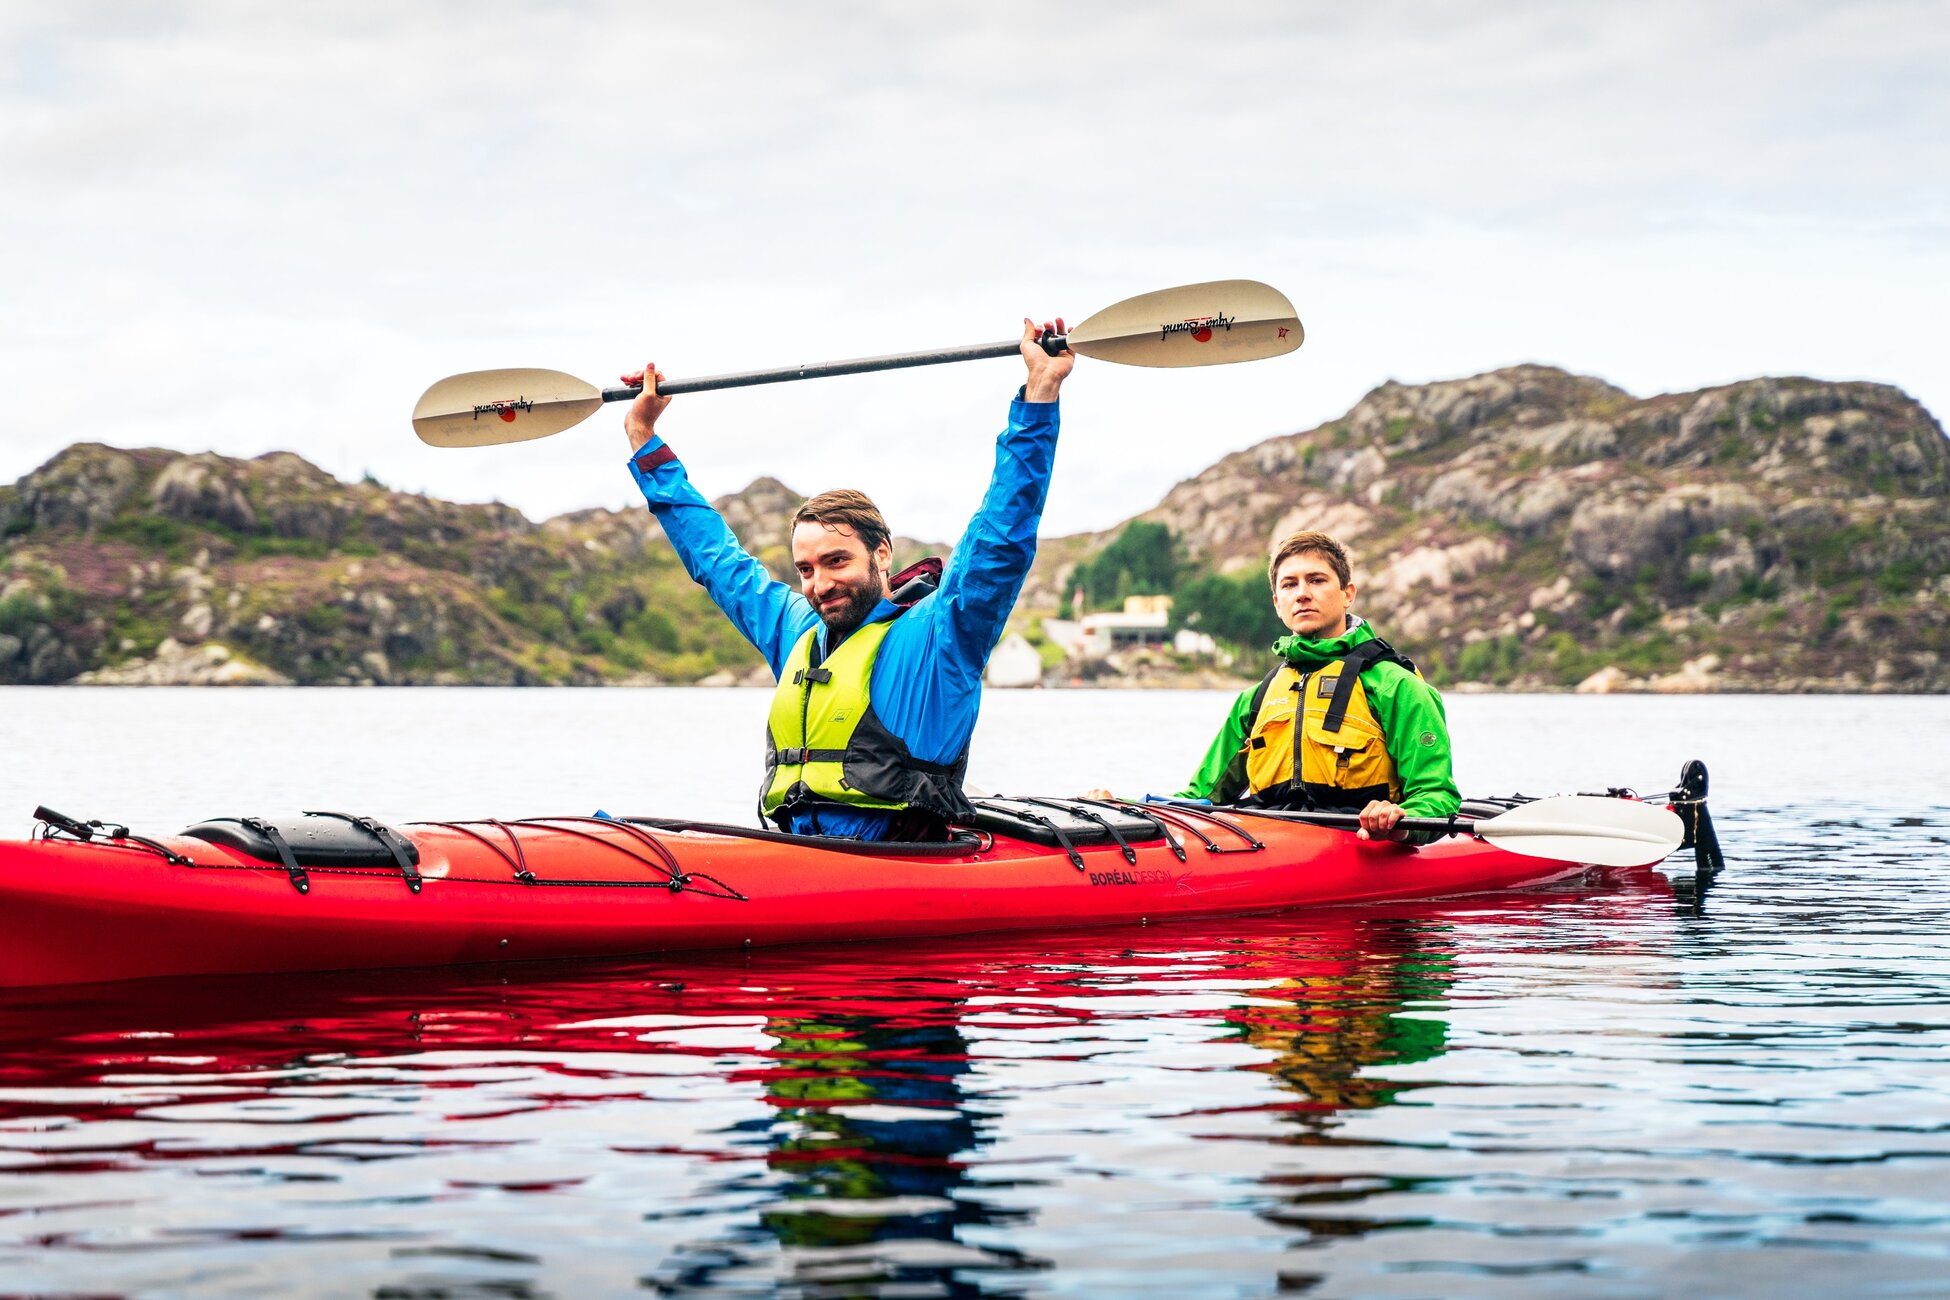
(517, 860)
(1187, 816)
(387, 836)
(1075, 809)
(1062, 838)
(670, 876)
(1139, 810)
(299, 880)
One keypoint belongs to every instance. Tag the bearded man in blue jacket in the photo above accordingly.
(876, 701)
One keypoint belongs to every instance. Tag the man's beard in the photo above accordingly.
(860, 601)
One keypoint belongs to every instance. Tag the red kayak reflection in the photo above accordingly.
(875, 1064)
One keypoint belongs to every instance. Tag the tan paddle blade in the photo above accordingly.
(1593, 829)
(1207, 324)
(484, 408)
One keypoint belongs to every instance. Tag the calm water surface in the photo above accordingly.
(1616, 1087)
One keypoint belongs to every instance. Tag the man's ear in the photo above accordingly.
(883, 556)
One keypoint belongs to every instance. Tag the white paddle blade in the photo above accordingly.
(1593, 829)
(483, 408)
(1193, 325)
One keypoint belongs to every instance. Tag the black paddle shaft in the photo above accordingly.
(1343, 821)
(1052, 344)
(1352, 821)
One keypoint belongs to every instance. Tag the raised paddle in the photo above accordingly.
(1593, 829)
(1193, 325)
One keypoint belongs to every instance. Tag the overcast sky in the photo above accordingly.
(243, 226)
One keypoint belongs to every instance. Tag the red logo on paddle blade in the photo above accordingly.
(1199, 328)
(506, 410)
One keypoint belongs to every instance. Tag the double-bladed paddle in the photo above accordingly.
(1193, 325)
(1596, 830)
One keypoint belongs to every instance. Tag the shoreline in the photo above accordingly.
(1186, 683)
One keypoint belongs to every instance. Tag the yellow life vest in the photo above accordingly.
(1342, 753)
(824, 743)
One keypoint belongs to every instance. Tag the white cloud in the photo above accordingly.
(242, 226)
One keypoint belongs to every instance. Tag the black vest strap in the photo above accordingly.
(794, 757)
(1357, 661)
(819, 675)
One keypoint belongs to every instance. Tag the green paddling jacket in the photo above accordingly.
(1409, 711)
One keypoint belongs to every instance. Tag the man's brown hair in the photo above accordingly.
(846, 508)
(1310, 543)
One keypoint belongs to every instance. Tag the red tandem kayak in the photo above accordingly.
(86, 902)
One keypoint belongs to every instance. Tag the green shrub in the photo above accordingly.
(1902, 577)
(19, 613)
(257, 547)
(1489, 660)
(150, 532)
(654, 629)
(1754, 587)
(1237, 610)
(323, 620)
(1143, 561)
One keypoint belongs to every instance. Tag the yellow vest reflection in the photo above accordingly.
(1344, 1010)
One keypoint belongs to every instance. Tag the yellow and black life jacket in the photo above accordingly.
(824, 744)
(1341, 760)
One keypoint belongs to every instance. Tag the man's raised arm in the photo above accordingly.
(992, 560)
(767, 612)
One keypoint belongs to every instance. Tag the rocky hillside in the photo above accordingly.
(1533, 529)
(1525, 529)
(155, 566)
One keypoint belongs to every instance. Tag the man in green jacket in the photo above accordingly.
(1342, 722)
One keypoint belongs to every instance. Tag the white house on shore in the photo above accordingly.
(1142, 623)
(1014, 663)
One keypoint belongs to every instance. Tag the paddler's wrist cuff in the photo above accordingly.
(651, 454)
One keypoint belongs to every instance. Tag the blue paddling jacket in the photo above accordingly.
(927, 679)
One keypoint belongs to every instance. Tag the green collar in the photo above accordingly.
(1306, 653)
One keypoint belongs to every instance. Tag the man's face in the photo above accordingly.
(838, 574)
(1309, 598)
